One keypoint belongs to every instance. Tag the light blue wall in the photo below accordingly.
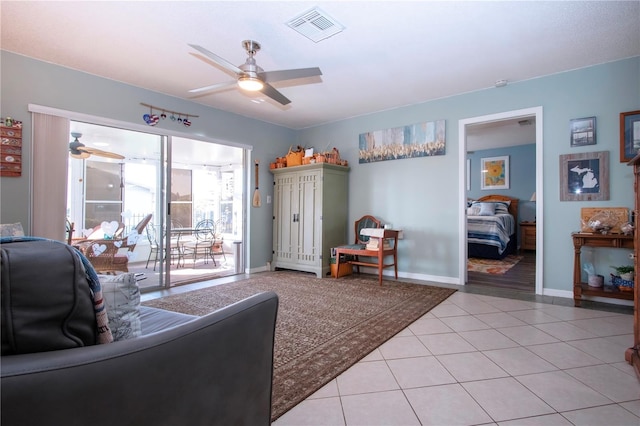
(421, 195)
(522, 176)
(26, 81)
(418, 195)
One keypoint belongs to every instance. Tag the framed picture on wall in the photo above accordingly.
(583, 131)
(629, 135)
(494, 173)
(584, 177)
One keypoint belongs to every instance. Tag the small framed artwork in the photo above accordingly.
(494, 173)
(584, 177)
(629, 135)
(583, 131)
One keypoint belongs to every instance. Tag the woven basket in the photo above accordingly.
(294, 158)
(623, 285)
(333, 157)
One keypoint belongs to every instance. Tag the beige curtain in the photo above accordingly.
(50, 156)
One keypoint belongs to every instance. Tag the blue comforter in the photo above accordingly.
(491, 230)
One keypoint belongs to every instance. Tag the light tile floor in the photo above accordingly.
(481, 359)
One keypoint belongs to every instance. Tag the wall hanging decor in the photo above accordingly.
(629, 135)
(584, 177)
(414, 140)
(494, 173)
(152, 119)
(11, 148)
(583, 131)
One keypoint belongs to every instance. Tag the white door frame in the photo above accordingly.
(462, 186)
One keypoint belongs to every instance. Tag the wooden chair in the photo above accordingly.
(384, 240)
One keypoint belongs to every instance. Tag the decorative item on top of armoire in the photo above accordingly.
(11, 148)
(309, 216)
(632, 355)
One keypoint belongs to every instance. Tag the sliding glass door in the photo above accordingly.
(181, 182)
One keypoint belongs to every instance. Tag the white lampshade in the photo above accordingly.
(533, 197)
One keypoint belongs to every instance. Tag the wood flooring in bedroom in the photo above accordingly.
(521, 277)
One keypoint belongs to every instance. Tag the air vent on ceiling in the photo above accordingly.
(316, 25)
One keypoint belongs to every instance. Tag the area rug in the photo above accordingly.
(324, 326)
(493, 266)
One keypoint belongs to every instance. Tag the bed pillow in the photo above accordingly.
(487, 209)
(122, 299)
(502, 208)
(473, 211)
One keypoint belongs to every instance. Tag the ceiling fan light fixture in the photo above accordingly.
(249, 83)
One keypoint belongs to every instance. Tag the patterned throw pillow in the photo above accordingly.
(11, 230)
(122, 299)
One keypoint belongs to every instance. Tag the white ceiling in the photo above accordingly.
(391, 53)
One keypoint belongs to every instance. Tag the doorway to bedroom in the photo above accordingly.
(499, 245)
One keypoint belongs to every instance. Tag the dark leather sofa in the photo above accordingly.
(184, 370)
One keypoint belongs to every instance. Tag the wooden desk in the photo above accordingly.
(380, 254)
(597, 240)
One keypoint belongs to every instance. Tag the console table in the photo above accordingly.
(596, 240)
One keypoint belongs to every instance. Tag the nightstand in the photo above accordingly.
(527, 235)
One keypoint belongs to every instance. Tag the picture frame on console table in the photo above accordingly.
(584, 177)
(629, 135)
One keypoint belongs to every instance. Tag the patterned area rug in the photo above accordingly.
(324, 326)
(492, 266)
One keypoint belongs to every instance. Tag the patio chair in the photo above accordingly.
(175, 249)
(217, 248)
(204, 239)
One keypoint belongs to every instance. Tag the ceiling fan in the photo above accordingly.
(251, 77)
(78, 150)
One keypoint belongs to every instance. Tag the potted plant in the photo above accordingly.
(625, 272)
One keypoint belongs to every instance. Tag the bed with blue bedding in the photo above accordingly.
(492, 227)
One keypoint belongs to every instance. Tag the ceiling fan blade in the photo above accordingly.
(271, 92)
(101, 153)
(217, 59)
(217, 86)
(81, 155)
(273, 76)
